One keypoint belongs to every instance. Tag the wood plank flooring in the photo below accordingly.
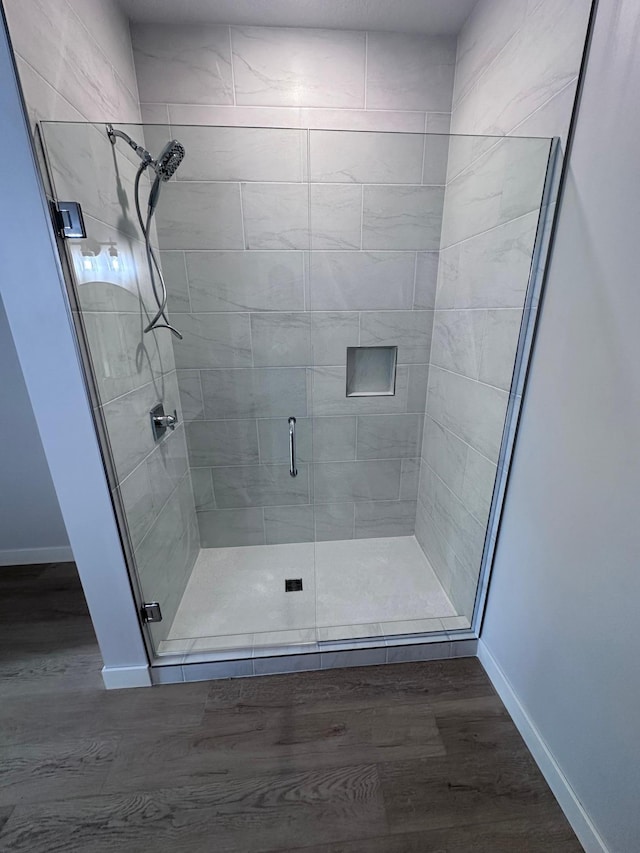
(410, 758)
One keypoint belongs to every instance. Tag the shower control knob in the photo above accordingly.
(169, 421)
(161, 421)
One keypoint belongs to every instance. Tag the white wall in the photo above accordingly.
(561, 626)
(31, 526)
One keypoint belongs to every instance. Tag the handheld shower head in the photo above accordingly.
(168, 160)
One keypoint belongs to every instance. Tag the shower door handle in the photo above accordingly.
(293, 471)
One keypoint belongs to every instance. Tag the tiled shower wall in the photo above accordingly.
(516, 74)
(76, 65)
(282, 248)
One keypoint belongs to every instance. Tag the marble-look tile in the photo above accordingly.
(298, 67)
(438, 122)
(411, 72)
(276, 216)
(231, 527)
(155, 114)
(421, 651)
(190, 394)
(166, 555)
(242, 154)
(316, 118)
(455, 623)
(175, 277)
(477, 486)
(426, 280)
(503, 184)
(261, 393)
(53, 40)
(273, 439)
(195, 215)
(499, 347)
(202, 484)
(417, 384)
(137, 500)
(461, 530)
(281, 340)
(336, 634)
(389, 436)
(288, 524)
(286, 663)
(334, 521)
(498, 106)
(413, 626)
(438, 551)
(335, 216)
(130, 446)
(44, 103)
(409, 477)
(246, 281)
(265, 642)
(260, 485)
(167, 466)
(356, 481)
(213, 340)
(553, 117)
(473, 411)
(491, 270)
(436, 156)
(329, 394)
(486, 31)
(365, 158)
(402, 218)
(183, 63)
(123, 356)
(352, 281)
(385, 518)
(445, 453)
(457, 341)
(331, 334)
(334, 439)
(410, 331)
(228, 442)
(211, 671)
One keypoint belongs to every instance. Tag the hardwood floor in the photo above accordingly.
(410, 758)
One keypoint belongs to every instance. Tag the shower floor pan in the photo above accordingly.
(237, 598)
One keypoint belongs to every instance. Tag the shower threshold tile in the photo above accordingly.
(412, 626)
(456, 623)
(334, 633)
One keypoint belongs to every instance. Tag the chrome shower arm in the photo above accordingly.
(113, 134)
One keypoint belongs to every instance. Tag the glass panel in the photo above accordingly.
(424, 243)
(288, 254)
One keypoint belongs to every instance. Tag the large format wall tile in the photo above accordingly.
(457, 341)
(199, 216)
(288, 524)
(331, 334)
(490, 270)
(242, 154)
(329, 394)
(276, 216)
(281, 340)
(265, 393)
(365, 158)
(356, 481)
(185, 63)
(231, 527)
(385, 518)
(410, 331)
(260, 485)
(335, 216)
(405, 218)
(213, 340)
(225, 442)
(352, 281)
(190, 394)
(389, 436)
(298, 67)
(473, 411)
(245, 281)
(411, 72)
(334, 521)
(273, 439)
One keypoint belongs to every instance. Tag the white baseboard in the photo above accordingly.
(119, 677)
(32, 556)
(565, 795)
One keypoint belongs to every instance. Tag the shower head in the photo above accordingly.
(168, 160)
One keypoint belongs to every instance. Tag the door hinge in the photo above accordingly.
(68, 219)
(150, 612)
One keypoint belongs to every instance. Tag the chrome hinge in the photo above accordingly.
(150, 612)
(68, 219)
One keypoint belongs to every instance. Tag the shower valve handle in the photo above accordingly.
(166, 421)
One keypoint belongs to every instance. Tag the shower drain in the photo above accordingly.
(293, 585)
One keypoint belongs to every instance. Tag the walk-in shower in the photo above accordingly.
(350, 307)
